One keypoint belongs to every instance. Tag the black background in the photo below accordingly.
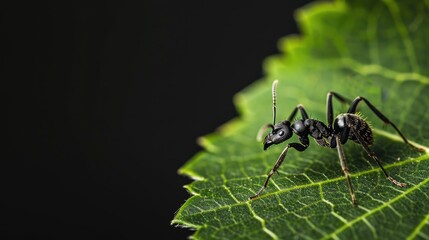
(105, 101)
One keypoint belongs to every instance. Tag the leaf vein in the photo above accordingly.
(372, 33)
(379, 208)
(262, 221)
(376, 69)
(403, 32)
(417, 230)
(228, 190)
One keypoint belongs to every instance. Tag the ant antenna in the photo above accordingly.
(274, 100)
(263, 128)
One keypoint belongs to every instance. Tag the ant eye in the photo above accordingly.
(280, 133)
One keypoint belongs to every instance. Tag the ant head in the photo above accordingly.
(280, 133)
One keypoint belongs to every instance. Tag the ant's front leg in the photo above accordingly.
(262, 131)
(279, 161)
(299, 107)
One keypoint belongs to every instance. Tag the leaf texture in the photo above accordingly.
(375, 49)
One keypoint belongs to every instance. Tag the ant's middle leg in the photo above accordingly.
(329, 106)
(345, 169)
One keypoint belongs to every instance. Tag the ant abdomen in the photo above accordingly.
(360, 125)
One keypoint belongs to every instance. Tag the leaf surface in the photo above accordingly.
(375, 49)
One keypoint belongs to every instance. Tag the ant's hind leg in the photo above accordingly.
(329, 106)
(373, 156)
(380, 115)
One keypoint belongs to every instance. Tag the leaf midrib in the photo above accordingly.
(346, 225)
(342, 178)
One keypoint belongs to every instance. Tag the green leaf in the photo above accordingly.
(375, 49)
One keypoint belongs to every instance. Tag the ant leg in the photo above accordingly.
(345, 169)
(299, 107)
(386, 121)
(279, 161)
(262, 130)
(329, 106)
(373, 156)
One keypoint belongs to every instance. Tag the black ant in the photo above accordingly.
(346, 126)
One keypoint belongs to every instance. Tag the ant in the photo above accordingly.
(346, 126)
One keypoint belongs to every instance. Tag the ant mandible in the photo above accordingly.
(346, 126)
